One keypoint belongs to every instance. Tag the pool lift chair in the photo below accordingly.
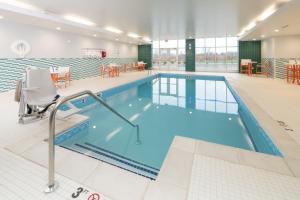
(36, 94)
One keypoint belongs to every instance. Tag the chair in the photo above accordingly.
(106, 70)
(64, 75)
(262, 69)
(124, 67)
(60, 74)
(245, 65)
(293, 72)
(135, 66)
(141, 66)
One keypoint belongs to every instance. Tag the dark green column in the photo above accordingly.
(145, 54)
(190, 55)
(190, 93)
(250, 50)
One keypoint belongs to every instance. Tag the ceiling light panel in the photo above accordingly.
(79, 20)
(113, 30)
(267, 13)
(133, 35)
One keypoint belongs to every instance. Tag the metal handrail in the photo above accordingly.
(52, 185)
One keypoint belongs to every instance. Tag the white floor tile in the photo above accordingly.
(213, 179)
(21, 179)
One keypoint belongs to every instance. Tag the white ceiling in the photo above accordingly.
(156, 19)
(286, 20)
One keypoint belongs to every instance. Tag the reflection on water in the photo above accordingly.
(205, 95)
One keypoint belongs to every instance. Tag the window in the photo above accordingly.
(169, 54)
(217, 54)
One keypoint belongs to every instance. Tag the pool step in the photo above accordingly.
(118, 160)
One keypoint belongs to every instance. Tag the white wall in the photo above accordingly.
(267, 48)
(281, 47)
(47, 43)
(287, 47)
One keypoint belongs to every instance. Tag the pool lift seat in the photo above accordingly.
(36, 94)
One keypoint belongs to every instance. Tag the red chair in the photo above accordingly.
(246, 66)
(293, 73)
(54, 77)
(106, 70)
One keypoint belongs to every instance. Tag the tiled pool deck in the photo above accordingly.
(192, 169)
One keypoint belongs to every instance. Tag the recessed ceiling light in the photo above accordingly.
(79, 20)
(95, 35)
(117, 39)
(133, 35)
(276, 30)
(58, 28)
(1, 17)
(262, 36)
(114, 30)
(254, 39)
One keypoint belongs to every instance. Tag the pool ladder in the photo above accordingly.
(52, 184)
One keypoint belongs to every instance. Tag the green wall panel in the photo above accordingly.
(250, 50)
(190, 55)
(145, 54)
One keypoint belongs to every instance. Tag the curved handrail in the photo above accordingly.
(52, 185)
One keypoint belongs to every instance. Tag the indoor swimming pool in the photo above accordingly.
(164, 106)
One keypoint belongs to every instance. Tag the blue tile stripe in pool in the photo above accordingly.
(112, 153)
(139, 168)
(124, 168)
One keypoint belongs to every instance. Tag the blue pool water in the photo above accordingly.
(164, 105)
